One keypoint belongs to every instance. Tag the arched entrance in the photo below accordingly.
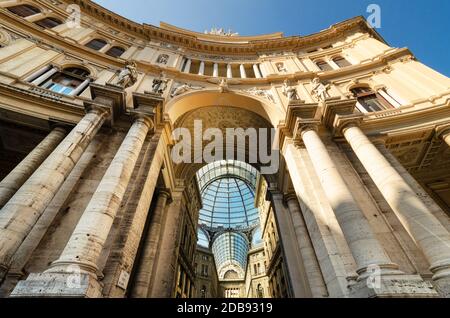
(233, 198)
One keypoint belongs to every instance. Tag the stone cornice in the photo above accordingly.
(60, 110)
(195, 42)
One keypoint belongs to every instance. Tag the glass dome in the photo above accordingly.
(228, 195)
(228, 214)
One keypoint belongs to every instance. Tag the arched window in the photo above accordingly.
(260, 291)
(48, 23)
(341, 62)
(96, 44)
(324, 66)
(369, 100)
(70, 81)
(24, 10)
(115, 51)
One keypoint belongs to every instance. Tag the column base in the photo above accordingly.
(393, 286)
(54, 285)
(441, 280)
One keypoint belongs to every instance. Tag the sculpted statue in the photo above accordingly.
(281, 68)
(183, 89)
(128, 75)
(163, 59)
(223, 86)
(221, 31)
(159, 85)
(290, 92)
(320, 91)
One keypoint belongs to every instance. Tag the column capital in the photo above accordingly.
(303, 126)
(166, 193)
(291, 196)
(442, 131)
(334, 108)
(98, 109)
(343, 122)
(143, 118)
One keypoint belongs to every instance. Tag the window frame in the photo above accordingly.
(48, 27)
(113, 48)
(91, 46)
(27, 6)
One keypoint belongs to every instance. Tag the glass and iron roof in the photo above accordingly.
(228, 212)
(231, 248)
(228, 194)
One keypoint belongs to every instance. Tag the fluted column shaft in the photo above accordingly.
(166, 270)
(362, 242)
(22, 211)
(86, 243)
(423, 226)
(17, 177)
(293, 261)
(312, 268)
(150, 249)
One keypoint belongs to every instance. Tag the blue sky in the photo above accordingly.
(423, 26)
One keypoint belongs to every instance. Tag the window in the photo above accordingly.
(48, 23)
(324, 66)
(115, 51)
(96, 44)
(260, 291)
(24, 10)
(341, 62)
(66, 81)
(205, 270)
(370, 101)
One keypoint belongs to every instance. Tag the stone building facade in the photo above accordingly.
(92, 203)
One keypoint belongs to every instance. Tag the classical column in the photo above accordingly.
(187, 67)
(150, 249)
(35, 17)
(81, 87)
(365, 248)
(257, 71)
(22, 211)
(88, 239)
(242, 70)
(444, 134)
(16, 178)
(41, 79)
(229, 71)
(422, 225)
(216, 70)
(201, 70)
(38, 73)
(312, 268)
(166, 265)
(105, 48)
(295, 267)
